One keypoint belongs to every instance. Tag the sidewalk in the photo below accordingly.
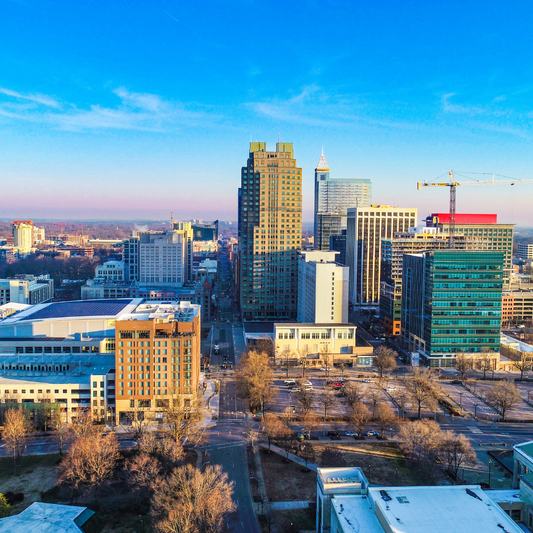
(292, 457)
(211, 403)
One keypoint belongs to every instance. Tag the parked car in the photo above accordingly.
(307, 383)
(308, 387)
(390, 388)
(325, 369)
(290, 381)
(333, 433)
(371, 433)
(351, 434)
(368, 380)
(456, 382)
(295, 389)
(303, 433)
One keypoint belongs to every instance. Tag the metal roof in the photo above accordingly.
(80, 308)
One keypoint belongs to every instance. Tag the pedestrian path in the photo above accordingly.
(211, 401)
(291, 457)
(282, 506)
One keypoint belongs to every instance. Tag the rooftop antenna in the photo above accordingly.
(278, 137)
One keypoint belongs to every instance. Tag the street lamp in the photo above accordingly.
(461, 400)
(490, 464)
(475, 409)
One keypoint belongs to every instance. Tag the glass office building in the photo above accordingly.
(451, 303)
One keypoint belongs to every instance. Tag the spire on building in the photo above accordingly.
(322, 164)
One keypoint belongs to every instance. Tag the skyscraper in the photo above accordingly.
(366, 227)
(451, 303)
(333, 197)
(270, 233)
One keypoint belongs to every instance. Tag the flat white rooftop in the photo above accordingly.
(355, 514)
(457, 509)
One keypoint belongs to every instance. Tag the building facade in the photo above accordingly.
(322, 288)
(157, 358)
(23, 234)
(333, 197)
(110, 271)
(26, 289)
(367, 226)
(525, 251)
(451, 303)
(270, 233)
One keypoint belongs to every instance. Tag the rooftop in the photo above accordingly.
(526, 448)
(47, 518)
(183, 311)
(441, 510)
(355, 514)
(342, 479)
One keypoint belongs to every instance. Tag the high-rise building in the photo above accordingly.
(322, 288)
(366, 227)
(27, 289)
(160, 258)
(157, 358)
(525, 251)
(337, 243)
(23, 234)
(270, 233)
(483, 227)
(451, 303)
(333, 197)
(392, 252)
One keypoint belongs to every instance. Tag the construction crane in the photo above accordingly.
(452, 184)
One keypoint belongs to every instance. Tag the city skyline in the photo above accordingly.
(102, 109)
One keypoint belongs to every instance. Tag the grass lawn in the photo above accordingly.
(287, 481)
(382, 463)
(35, 475)
(304, 518)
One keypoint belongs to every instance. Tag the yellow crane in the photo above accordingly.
(453, 184)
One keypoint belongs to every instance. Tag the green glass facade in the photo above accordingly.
(452, 303)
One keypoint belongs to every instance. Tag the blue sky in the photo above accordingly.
(134, 109)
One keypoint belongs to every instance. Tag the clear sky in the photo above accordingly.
(128, 109)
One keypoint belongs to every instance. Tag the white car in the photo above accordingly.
(325, 369)
(390, 388)
(290, 381)
(368, 380)
(308, 387)
(295, 389)
(307, 384)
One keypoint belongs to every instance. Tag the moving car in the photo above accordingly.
(217, 349)
(390, 388)
(325, 369)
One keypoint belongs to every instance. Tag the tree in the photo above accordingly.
(401, 400)
(254, 380)
(136, 416)
(286, 356)
(420, 389)
(287, 416)
(83, 425)
(463, 364)
(140, 473)
(304, 362)
(327, 358)
(342, 367)
(272, 428)
(354, 393)
(45, 411)
(167, 451)
(284, 440)
(309, 421)
(456, 451)
(192, 501)
(183, 417)
(61, 426)
(307, 453)
(305, 398)
(503, 396)
(523, 363)
(386, 417)
(360, 415)
(328, 400)
(5, 508)
(91, 461)
(485, 360)
(385, 360)
(331, 457)
(16, 429)
(374, 396)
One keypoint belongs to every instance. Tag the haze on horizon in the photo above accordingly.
(133, 110)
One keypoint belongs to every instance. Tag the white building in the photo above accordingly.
(26, 289)
(322, 288)
(110, 271)
(366, 227)
(525, 251)
(345, 504)
(23, 234)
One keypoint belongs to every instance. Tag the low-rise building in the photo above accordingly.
(525, 250)
(110, 271)
(26, 289)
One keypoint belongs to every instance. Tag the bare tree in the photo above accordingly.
(523, 363)
(16, 429)
(359, 415)
(374, 397)
(305, 398)
(192, 501)
(140, 474)
(307, 453)
(286, 356)
(331, 457)
(503, 396)
(45, 411)
(285, 440)
(354, 393)
(287, 416)
(386, 417)
(463, 364)
(254, 380)
(309, 421)
(420, 389)
(167, 451)
(183, 416)
(83, 425)
(91, 461)
(456, 451)
(272, 428)
(327, 358)
(401, 400)
(303, 360)
(61, 426)
(136, 416)
(328, 400)
(252, 436)
(385, 360)
(342, 367)
(485, 360)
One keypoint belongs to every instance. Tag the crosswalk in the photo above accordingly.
(474, 429)
(222, 446)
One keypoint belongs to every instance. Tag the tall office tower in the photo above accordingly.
(452, 303)
(157, 358)
(366, 227)
(333, 197)
(392, 252)
(160, 258)
(525, 251)
(484, 228)
(23, 234)
(270, 233)
(337, 243)
(322, 289)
